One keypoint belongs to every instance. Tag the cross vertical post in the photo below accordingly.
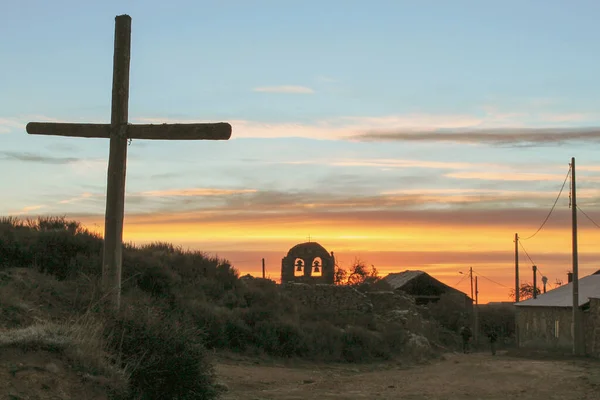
(119, 131)
(112, 257)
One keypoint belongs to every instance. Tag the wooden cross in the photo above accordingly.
(119, 132)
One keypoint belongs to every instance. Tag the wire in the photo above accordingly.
(553, 206)
(460, 280)
(526, 253)
(588, 217)
(491, 280)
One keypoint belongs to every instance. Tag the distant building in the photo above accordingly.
(546, 322)
(424, 288)
(308, 263)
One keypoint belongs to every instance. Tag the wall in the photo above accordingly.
(388, 301)
(591, 321)
(329, 298)
(536, 327)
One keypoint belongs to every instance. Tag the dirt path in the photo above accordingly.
(458, 376)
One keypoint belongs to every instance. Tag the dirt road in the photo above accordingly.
(457, 376)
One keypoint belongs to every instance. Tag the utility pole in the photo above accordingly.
(476, 313)
(577, 322)
(263, 268)
(471, 275)
(534, 281)
(516, 267)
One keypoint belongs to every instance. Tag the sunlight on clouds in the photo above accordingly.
(194, 192)
(522, 176)
(7, 125)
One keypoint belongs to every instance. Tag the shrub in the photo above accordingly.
(165, 358)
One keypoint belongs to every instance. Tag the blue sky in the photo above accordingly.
(343, 105)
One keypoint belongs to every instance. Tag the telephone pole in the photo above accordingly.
(476, 313)
(471, 276)
(534, 281)
(577, 322)
(263, 268)
(516, 267)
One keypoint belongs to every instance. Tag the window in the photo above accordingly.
(556, 328)
(298, 267)
(317, 267)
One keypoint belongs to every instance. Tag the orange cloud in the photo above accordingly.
(441, 242)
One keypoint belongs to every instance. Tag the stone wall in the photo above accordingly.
(591, 322)
(536, 327)
(387, 301)
(329, 298)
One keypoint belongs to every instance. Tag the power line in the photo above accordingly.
(491, 280)
(532, 262)
(553, 206)
(460, 280)
(526, 253)
(588, 217)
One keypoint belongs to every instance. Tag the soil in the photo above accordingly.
(44, 375)
(455, 376)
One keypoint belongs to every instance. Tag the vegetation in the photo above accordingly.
(176, 304)
(526, 291)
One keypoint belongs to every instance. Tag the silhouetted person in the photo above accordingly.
(466, 334)
(493, 336)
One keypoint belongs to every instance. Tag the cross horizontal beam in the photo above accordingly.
(212, 131)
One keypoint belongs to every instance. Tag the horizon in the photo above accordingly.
(417, 138)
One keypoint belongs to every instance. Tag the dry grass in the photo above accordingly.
(81, 342)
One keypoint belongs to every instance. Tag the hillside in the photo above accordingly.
(176, 305)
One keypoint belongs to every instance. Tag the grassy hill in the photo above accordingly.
(176, 305)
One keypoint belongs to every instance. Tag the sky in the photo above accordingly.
(409, 135)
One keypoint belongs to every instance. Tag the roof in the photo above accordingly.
(399, 279)
(310, 247)
(589, 287)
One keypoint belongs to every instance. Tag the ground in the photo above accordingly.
(455, 376)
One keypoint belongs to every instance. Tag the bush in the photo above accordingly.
(165, 358)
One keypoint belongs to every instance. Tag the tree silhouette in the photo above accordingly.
(525, 292)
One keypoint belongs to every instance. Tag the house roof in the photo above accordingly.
(589, 287)
(399, 279)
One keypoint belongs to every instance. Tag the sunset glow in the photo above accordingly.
(411, 139)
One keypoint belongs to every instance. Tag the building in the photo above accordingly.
(308, 263)
(547, 321)
(424, 288)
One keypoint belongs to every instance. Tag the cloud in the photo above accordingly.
(200, 192)
(505, 136)
(285, 89)
(517, 176)
(391, 163)
(36, 158)
(9, 124)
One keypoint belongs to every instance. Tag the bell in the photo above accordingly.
(316, 265)
(299, 266)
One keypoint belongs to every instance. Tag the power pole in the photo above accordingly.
(476, 313)
(516, 267)
(471, 275)
(577, 322)
(263, 268)
(534, 281)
